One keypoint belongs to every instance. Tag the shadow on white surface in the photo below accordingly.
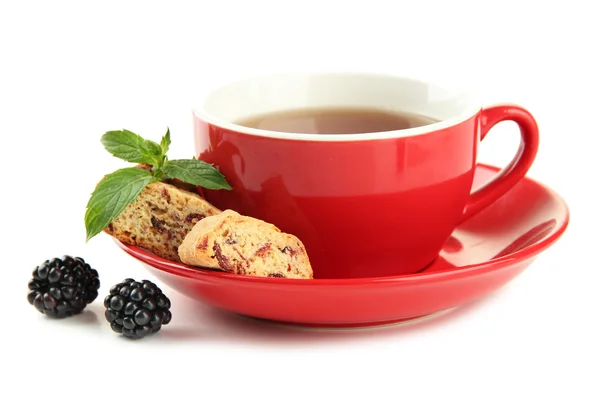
(86, 318)
(90, 319)
(208, 324)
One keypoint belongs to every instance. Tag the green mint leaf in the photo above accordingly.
(112, 194)
(165, 142)
(131, 147)
(196, 172)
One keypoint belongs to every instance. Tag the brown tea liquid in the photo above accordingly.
(336, 121)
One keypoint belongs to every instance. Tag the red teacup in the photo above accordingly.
(364, 205)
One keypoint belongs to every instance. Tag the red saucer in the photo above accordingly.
(483, 254)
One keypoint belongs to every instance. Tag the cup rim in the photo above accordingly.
(471, 110)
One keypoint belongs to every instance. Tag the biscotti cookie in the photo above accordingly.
(246, 246)
(160, 217)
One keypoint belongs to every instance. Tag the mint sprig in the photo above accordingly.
(120, 188)
(131, 147)
(195, 172)
(112, 195)
(165, 142)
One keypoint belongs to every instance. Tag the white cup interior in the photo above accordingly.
(237, 101)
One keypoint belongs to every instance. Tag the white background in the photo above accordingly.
(69, 71)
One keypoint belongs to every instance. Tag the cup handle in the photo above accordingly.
(519, 165)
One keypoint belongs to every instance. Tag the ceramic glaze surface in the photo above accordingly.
(481, 255)
(364, 205)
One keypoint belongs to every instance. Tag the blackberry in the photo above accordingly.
(62, 287)
(136, 309)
